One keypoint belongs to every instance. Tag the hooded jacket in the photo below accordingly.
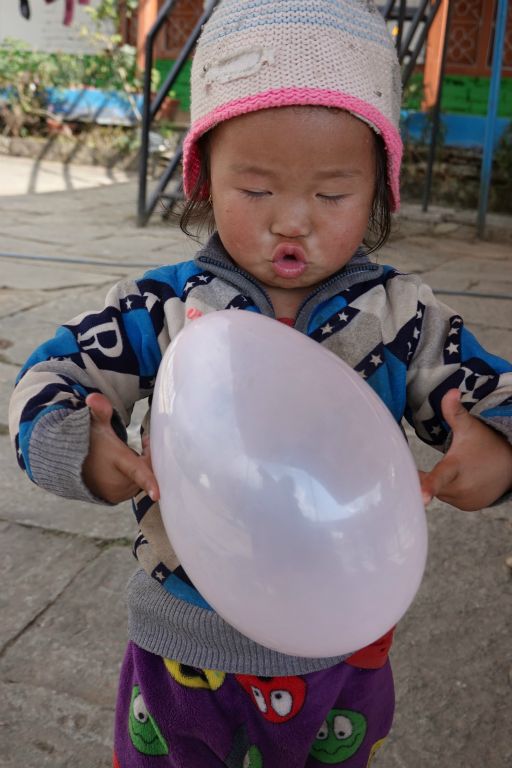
(388, 326)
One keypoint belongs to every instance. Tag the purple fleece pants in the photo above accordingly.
(170, 715)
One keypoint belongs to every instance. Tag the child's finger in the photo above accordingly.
(137, 469)
(425, 493)
(100, 407)
(435, 482)
(454, 412)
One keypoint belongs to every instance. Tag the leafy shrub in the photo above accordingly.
(25, 74)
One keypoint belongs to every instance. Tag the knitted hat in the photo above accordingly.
(259, 54)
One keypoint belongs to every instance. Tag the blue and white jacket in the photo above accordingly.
(388, 326)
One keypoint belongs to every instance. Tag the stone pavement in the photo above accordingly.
(23, 175)
(65, 564)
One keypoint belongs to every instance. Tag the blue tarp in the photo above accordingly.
(91, 105)
(466, 131)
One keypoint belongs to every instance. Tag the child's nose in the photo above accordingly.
(291, 219)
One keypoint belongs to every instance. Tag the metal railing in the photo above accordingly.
(412, 25)
(411, 30)
(150, 108)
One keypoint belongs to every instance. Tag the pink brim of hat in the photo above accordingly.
(287, 97)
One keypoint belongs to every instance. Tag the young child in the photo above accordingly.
(294, 156)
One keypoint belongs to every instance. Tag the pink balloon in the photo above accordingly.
(287, 489)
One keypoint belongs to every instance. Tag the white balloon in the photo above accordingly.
(287, 489)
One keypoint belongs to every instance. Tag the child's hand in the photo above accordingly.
(477, 468)
(113, 471)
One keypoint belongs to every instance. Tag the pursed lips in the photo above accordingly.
(289, 260)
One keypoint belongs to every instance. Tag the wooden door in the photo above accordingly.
(174, 32)
(470, 43)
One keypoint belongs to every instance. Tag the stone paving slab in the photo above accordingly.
(76, 646)
(460, 248)
(421, 253)
(409, 257)
(18, 244)
(471, 275)
(95, 198)
(35, 568)
(32, 176)
(168, 248)
(93, 229)
(53, 236)
(127, 245)
(13, 301)
(116, 253)
(40, 728)
(39, 277)
(22, 502)
(89, 232)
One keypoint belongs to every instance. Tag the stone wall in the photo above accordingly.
(456, 177)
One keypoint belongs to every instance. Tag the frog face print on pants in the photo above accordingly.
(144, 732)
(340, 736)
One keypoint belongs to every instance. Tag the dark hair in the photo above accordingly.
(197, 213)
(379, 225)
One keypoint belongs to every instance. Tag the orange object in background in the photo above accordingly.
(146, 17)
(434, 57)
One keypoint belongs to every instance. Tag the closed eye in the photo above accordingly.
(254, 194)
(331, 198)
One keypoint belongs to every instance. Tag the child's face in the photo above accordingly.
(292, 192)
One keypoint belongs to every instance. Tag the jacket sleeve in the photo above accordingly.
(115, 351)
(446, 356)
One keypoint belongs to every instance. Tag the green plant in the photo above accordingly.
(117, 65)
(24, 76)
(109, 10)
(413, 92)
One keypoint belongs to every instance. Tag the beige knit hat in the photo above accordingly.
(259, 54)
